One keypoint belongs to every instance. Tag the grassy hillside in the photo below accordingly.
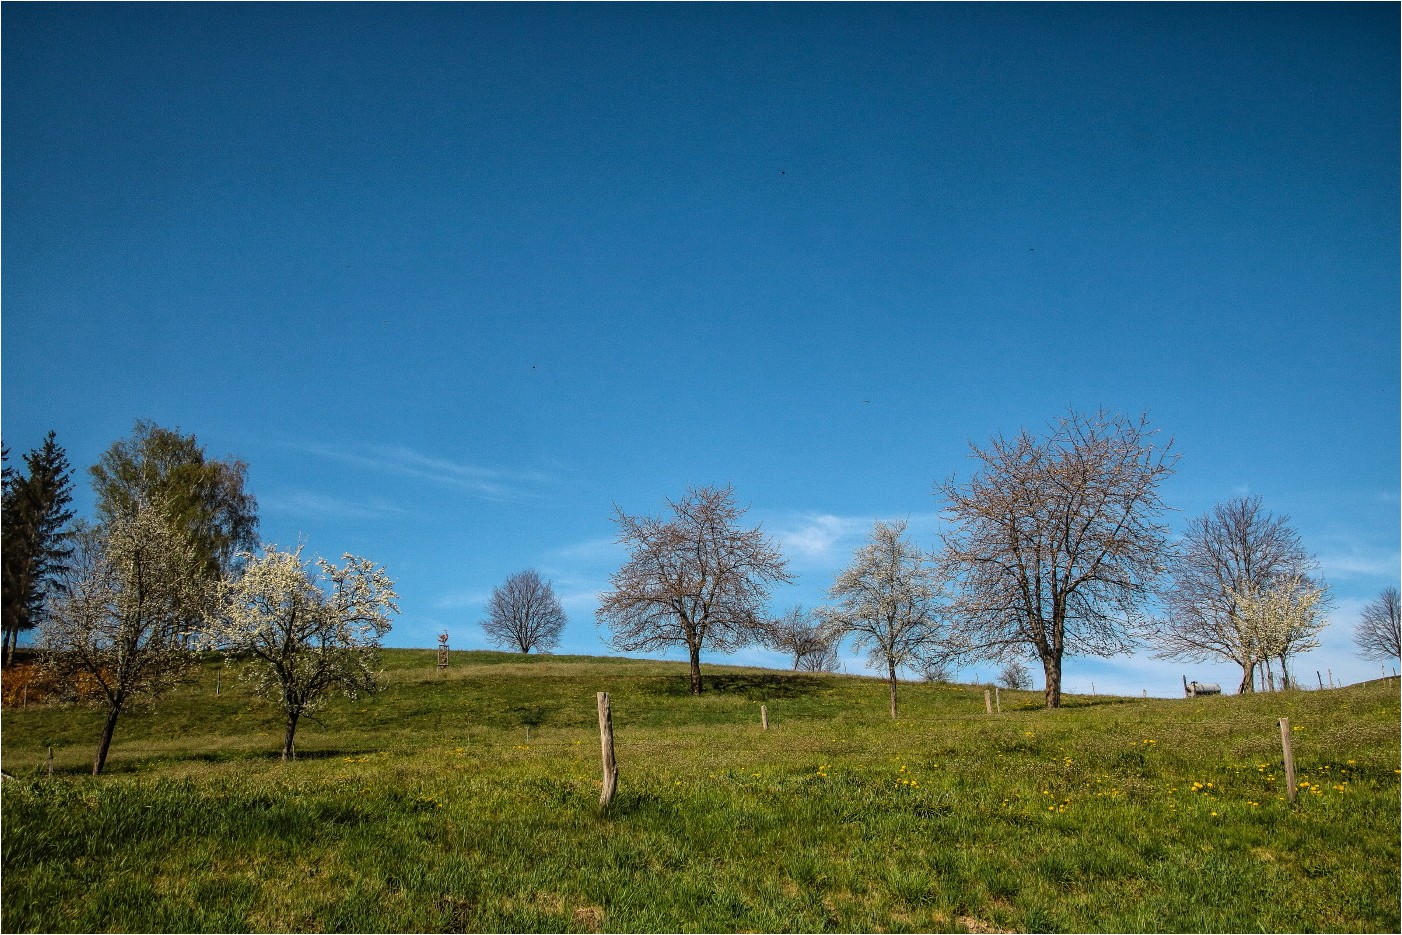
(428, 809)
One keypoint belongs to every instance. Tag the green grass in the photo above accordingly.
(426, 809)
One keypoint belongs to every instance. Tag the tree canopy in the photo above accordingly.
(697, 580)
(1236, 548)
(308, 632)
(887, 599)
(121, 621)
(1058, 544)
(524, 614)
(205, 498)
(36, 535)
(1379, 631)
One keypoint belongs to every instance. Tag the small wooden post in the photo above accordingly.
(606, 743)
(764, 717)
(24, 696)
(997, 700)
(1331, 678)
(1320, 677)
(1145, 692)
(442, 650)
(51, 761)
(1092, 689)
(1289, 757)
(216, 686)
(988, 701)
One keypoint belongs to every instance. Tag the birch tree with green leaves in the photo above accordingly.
(307, 631)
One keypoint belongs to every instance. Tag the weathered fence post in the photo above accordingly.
(606, 743)
(24, 696)
(988, 701)
(216, 686)
(1320, 677)
(1289, 757)
(997, 701)
(1331, 677)
(764, 717)
(51, 761)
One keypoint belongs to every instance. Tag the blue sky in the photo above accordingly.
(455, 279)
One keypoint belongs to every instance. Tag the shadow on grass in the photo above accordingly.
(760, 687)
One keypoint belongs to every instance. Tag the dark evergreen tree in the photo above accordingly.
(35, 536)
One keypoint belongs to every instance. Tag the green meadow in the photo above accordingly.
(467, 800)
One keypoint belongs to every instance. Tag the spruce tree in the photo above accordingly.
(35, 536)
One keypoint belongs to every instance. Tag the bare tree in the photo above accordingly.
(888, 599)
(308, 633)
(1058, 543)
(696, 580)
(1379, 633)
(798, 635)
(524, 614)
(1014, 676)
(1238, 547)
(121, 619)
(935, 668)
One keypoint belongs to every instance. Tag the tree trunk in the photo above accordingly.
(100, 760)
(11, 639)
(891, 677)
(695, 652)
(1051, 668)
(289, 752)
(1248, 678)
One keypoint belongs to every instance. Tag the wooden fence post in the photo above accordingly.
(997, 701)
(1289, 757)
(1320, 677)
(764, 717)
(606, 743)
(51, 761)
(24, 696)
(1331, 678)
(216, 686)
(988, 701)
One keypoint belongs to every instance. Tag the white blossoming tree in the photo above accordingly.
(887, 599)
(1281, 619)
(308, 631)
(118, 627)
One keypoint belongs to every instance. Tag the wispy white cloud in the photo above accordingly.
(460, 599)
(579, 603)
(588, 553)
(488, 483)
(305, 503)
(827, 541)
(1358, 564)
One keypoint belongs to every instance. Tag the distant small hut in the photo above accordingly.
(1194, 689)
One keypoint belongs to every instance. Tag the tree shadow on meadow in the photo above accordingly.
(752, 687)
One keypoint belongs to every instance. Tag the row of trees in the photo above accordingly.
(124, 605)
(1057, 546)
